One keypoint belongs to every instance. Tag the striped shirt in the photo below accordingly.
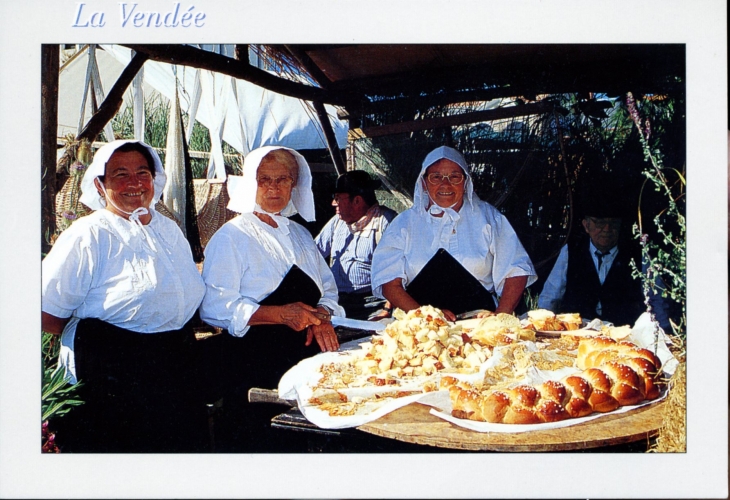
(349, 254)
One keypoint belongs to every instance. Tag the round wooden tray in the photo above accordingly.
(414, 424)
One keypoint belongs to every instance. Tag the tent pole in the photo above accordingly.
(113, 100)
(329, 135)
(49, 127)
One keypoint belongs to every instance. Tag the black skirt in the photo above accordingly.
(259, 359)
(266, 352)
(139, 392)
(444, 283)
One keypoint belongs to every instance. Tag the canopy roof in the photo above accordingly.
(370, 78)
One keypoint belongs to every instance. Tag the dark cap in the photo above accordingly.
(604, 208)
(357, 182)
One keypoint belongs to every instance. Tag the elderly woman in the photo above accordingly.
(450, 250)
(266, 282)
(121, 287)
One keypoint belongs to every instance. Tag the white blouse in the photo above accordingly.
(106, 267)
(478, 237)
(246, 260)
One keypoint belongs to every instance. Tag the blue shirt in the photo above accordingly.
(349, 254)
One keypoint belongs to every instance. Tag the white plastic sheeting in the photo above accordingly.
(240, 113)
(173, 194)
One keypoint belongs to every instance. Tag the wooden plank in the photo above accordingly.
(49, 125)
(329, 136)
(258, 395)
(414, 424)
(464, 118)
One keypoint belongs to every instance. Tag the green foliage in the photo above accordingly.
(57, 396)
(664, 255)
(157, 116)
(531, 298)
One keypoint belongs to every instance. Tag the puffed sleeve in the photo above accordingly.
(389, 260)
(510, 258)
(66, 273)
(224, 305)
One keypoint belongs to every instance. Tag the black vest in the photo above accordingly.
(621, 297)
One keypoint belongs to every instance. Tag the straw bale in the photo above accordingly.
(672, 436)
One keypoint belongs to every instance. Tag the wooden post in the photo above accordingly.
(113, 100)
(329, 136)
(49, 130)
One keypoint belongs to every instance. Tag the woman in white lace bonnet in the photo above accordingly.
(121, 287)
(266, 283)
(464, 251)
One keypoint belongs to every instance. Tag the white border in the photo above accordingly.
(701, 472)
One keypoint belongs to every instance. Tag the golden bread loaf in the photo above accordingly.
(614, 374)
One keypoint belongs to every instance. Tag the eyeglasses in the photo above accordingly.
(282, 182)
(603, 223)
(454, 179)
(339, 196)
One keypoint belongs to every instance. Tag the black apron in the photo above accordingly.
(445, 284)
(139, 392)
(259, 359)
(360, 305)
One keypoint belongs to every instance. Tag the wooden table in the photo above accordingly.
(414, 424)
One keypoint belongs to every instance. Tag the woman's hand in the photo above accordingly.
(449, 315)
(298, 316)
(324, 333)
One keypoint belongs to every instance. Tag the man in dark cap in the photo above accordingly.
(592, 275)
(349, 239)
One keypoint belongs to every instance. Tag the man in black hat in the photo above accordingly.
(592, 275)
(349, 239)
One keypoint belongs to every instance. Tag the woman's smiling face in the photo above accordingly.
(444, 193)
(128, 182)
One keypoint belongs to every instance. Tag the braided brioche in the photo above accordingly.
(614, 374)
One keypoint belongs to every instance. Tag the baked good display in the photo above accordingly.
(614, 374)
(545, 320)
(403, 359)
(490, 370)
(500, 329)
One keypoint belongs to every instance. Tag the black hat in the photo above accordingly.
(357, 183)
(604, 197)
(602, 207)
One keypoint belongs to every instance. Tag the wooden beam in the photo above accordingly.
(49, 126)
(329, 136)
(241, 52)
(197, 58)
(309, 66)
(113, 100)
(464, 118)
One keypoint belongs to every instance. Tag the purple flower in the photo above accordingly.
(70, 215)
(633, 111)
(648, 129)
